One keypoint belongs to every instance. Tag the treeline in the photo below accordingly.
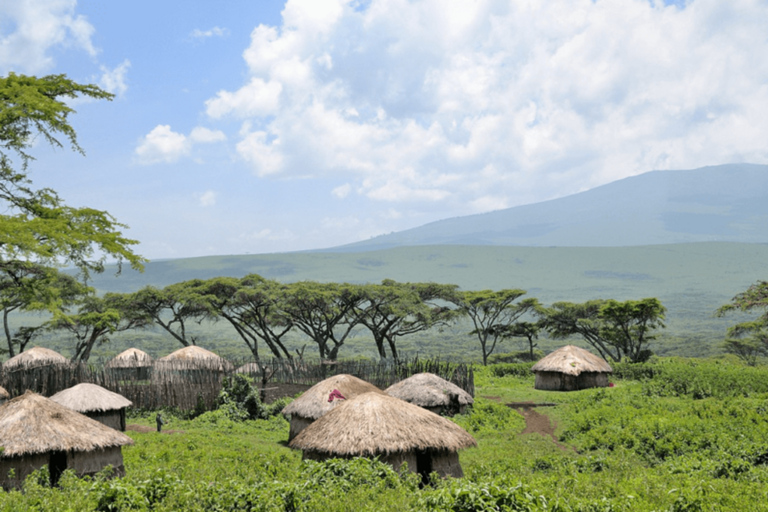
(263, 312)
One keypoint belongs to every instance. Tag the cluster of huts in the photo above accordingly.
(81, 428)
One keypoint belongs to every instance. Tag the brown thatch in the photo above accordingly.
(4, 395)
(572, 360)
(373, 424)
(87, 397)
(313, 403)
(431, 392)
(34, 358)
(131, 358)
(194, 357)
(31, 424)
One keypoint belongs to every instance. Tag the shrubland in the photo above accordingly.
(671, 435)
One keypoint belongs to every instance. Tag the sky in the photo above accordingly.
(260, 126)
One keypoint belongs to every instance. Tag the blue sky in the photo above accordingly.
(268, 126)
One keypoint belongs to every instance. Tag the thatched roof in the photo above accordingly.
(131, 358)
(572, 360)
(193, 357)
(33, 358)
(4, 395)
(428, 390)
(90, 398)
(313, 403)
(32, 423)
(375, 423)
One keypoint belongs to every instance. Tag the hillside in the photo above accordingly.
(723, 203)
(692, 280)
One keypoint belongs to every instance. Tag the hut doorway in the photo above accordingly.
(56, 466)
(424, 465)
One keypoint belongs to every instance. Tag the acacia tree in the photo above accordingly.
(615, 329)
(96, 319)
(36, 225)
(492, 312)
(748, 339)
(248, 304)
(171, 308)
(325, 312)
(528, 330)
(392, 309)
(27, 286)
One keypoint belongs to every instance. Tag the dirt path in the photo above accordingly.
(538, 423)
(144, 429)
(535, 422)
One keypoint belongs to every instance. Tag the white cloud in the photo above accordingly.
(487, 104)
(163, 145)
(204, 135)
(32, 28)
(342, 191)
(258, 98)
(113, 80)
(212, 32)
(208, 198)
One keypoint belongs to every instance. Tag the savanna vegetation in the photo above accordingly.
(671, 435)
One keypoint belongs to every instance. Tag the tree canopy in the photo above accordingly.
(615, 329)
(36, 224)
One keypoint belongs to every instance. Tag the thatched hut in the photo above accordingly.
(317, 401)
(36, 431)
(433, 393)
(570, 368)
(130, 364)
(95, 402)
(36, 357)
(378, 425)
(4, 395)
(193, 358)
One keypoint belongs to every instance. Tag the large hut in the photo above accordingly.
(194, 358)
(95, 402)
(36, 357)
(570, 368)
(433, 393)
(36, 431)
(318, 400)
(130, 364)
(379, 425)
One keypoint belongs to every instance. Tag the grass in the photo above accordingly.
(642, 445)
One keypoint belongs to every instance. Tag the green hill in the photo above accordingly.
(692, 280)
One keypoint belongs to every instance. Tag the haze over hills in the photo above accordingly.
(725, 203)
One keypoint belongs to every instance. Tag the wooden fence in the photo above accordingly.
(186, 385)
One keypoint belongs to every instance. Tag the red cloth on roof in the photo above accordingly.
(335, 394)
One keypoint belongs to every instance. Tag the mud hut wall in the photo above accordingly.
(298, 423)
(113, 419)
(89, 463)
(21, 468)
(446, 463)
(556, 381)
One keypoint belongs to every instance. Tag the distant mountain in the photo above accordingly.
(725, 203)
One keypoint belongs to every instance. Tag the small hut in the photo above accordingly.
(36, 431)
(4, 395)
(95, 402)
(378, 425)
(432, 393)
(571, 368)
(194, 358)
(36, 357)
(131, 364)
(317, 400)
